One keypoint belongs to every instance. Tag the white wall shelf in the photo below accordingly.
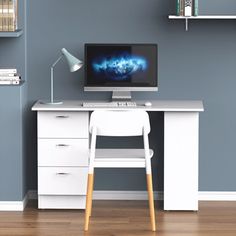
(11, 34)
(201, 17)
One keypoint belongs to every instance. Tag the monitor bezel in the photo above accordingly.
(118, 88)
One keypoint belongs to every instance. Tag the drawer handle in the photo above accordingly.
(62, 116)
(62, 145)
(62, 173)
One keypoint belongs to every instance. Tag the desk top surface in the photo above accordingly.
(157, 105)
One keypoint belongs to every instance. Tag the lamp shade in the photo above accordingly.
(73, 62)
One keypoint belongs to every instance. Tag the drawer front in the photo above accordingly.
(63, 124)
(62, 180)
(63, 152)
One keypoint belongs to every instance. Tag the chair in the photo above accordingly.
(119, 123)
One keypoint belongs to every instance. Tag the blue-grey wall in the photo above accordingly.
(199, 64)
(13, 117)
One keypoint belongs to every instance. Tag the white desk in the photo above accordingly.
(63, 140)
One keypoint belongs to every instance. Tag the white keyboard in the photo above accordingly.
(109, 104)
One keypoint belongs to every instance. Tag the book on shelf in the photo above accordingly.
(187, 7)
(4, 15)
(10, 78)
(7, 74)
(9, 82)
(8, 15)
(13, 15)
(1, 14)
(177, 7)
(195, 13)
(8, 71)
(181, 7)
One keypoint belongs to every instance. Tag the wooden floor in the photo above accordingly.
(125, 218)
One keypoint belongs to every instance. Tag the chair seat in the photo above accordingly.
(120, 158)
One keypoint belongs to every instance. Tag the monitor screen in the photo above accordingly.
(114, 66)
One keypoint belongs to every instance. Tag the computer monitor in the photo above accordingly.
(121, 68)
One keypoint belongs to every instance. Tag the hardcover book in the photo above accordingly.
(4, 15)
(10, 78)
(181, 7)
(177, 8)
(5, 82)
(188, 8)
(12, 15)
(1, 12)
(15, 17)
(8, 71)
(195, 8)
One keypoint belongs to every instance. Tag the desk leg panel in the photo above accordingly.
(181, 141)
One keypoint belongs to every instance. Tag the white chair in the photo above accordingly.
(119, 123)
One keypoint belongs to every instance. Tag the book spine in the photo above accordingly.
(195, 7)
(9, 78)
(188, 8)
(10, 15)
(5, 15)
(181, 7)
(11, 71)
(7, 74)
(177, 8)
(15, 15)
(1, 12)
(9, 82)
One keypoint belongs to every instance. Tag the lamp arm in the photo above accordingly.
(59, 58)
(52, 67)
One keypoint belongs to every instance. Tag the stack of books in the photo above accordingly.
(8, 15)
(9, 76)
(187, 7)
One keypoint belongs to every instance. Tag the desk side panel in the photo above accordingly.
(181, 130)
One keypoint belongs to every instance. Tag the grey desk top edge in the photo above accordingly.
(157, 105)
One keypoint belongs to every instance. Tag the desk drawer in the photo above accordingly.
(63, 152)
(63, 124)
(62, 180)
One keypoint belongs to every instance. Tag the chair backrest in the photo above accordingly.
(120, 123)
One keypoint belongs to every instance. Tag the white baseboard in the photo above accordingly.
(14, 205)
(120, 195)
(158, 195)
(114, 195)
(216, 196)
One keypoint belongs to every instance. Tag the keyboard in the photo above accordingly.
(109, 104)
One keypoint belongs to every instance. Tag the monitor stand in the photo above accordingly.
(121, 96)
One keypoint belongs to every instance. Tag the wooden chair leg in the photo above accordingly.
(91, 199)
(151, 201)
(88, 201)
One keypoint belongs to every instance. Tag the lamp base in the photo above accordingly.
(51, 103)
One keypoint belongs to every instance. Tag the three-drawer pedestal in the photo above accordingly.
(63, 145)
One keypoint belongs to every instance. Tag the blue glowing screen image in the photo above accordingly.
(121, 65)
(120, 68)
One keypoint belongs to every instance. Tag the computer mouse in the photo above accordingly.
(148, 104)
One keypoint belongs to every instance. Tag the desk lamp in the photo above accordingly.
(74, 65)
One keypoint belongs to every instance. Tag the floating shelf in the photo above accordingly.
(11, 34)
(202, 17)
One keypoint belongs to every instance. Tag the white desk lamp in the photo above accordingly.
(74, 65)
